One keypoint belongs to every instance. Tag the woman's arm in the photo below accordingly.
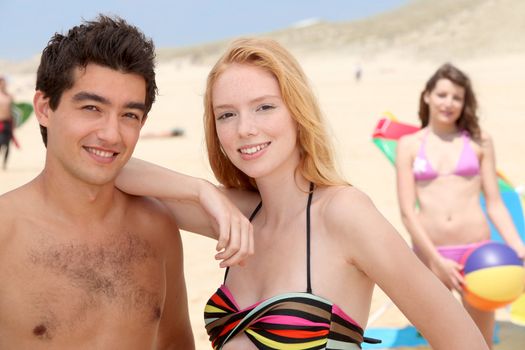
(382, 254)
(448, 271)
(198, 206)
(496, 209)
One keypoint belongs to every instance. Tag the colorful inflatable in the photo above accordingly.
(494, 276)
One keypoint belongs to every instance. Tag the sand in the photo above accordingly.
(391, 81)
(351, 109)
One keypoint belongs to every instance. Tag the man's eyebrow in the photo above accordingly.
(85, 96)
(136, 105)
(88, 96)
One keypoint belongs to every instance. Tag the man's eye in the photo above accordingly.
(90, 108)
(132, 116)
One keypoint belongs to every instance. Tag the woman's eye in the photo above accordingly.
(225, 115)
(265, 107)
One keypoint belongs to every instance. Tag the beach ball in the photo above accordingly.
(494, 276)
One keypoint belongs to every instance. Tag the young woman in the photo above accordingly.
(444, 167)
(320, 244)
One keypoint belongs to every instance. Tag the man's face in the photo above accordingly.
(93, 131)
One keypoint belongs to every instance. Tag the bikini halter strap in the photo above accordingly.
(308, 205)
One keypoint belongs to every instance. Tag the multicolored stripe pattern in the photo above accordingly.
(291, 321)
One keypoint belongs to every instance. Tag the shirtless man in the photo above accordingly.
(83, 265)
(6, 120)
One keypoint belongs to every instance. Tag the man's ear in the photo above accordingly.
(143, 121)
(42, 108)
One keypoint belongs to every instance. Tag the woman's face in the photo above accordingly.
(445, 102)
(254, 126)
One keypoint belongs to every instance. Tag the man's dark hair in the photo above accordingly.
(106, 41)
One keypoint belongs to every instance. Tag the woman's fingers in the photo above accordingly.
(238, 243)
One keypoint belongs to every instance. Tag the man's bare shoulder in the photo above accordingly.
(150, 217)
(17, 202)
(148, 207)
(15, 205)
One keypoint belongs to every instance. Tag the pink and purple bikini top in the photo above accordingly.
(468, 164)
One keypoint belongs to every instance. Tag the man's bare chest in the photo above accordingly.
(56, 286)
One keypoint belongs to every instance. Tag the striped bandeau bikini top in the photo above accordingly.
(300, 320)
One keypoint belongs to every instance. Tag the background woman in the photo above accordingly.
(444, 167)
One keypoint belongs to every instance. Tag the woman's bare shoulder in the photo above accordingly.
(485, 137)
(345, 206)
(412, 140)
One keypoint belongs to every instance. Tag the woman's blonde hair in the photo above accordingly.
(317, 161)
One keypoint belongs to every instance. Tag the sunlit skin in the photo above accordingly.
(439, 212)
(260, 136)
(84, 265)
(445, 103)
(254, 125)
(99, 124)
(449, 211)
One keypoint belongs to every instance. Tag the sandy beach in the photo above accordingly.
(351, 109)
(391, 81)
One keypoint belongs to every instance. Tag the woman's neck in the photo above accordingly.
(283, 197)
(444, 131)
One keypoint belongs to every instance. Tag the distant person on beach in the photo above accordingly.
(443, 168)
(82, 264)
(321, 245)
(6, 120)
(175, 132)
(358, 72)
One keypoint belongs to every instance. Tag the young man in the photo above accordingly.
(6, 120)
(82, 264)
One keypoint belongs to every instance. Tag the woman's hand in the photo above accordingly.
(449, 272)
(234, 231)
(520, 250)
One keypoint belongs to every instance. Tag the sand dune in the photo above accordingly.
(422, 29)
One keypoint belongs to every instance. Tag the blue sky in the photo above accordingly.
(26, 26)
